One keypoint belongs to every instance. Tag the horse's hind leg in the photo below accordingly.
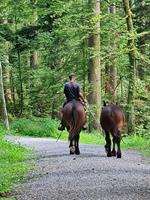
(114, 150)
(71, 146)
(108, 144)
(77, 151)
(118, 139)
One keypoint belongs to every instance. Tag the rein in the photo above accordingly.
(59, 137)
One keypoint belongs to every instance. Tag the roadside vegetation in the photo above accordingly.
(12, 164)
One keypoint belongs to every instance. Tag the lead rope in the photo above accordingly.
(58, 137)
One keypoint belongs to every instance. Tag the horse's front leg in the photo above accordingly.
(72, 147)
(108, 144)
(77, 137)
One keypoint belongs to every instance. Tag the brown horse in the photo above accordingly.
(112, 121)
(74, 118)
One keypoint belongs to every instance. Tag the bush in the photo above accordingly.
(41, 127)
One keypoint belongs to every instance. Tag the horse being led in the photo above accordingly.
(74, 118)
(112, 121)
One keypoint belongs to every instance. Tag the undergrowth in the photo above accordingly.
(12, 165)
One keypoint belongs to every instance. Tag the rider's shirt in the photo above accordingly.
(71, 91)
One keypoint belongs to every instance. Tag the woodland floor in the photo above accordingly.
(89, 176)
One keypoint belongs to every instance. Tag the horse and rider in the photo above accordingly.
(72, 92)
(73, 113)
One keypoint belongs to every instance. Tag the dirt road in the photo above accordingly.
(89, 176)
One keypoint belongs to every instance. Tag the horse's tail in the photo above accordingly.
(74, 128)
(117, 125)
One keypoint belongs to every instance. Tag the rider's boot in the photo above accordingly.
(85, 127)
(62, 126)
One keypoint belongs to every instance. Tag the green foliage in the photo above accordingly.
(39, 127)
(2, 130)
(137, 142)
(142, 109)
(7, 198)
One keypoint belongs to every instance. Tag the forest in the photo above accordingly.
(106, 44)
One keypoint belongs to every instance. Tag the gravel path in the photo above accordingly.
(89, 176)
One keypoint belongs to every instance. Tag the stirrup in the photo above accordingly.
(61, 128)
(84, 128)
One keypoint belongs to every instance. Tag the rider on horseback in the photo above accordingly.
(72, 92)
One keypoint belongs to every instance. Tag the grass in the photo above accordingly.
(12, 165)
(46, 127)
(137, 142)
(9, 198)
(5, 198)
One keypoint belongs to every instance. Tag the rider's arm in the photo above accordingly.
(82, 97)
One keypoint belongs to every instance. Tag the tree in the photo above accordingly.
(142, 23)
(111, 69)
(2, 99)
(132, 67)
(94, 70)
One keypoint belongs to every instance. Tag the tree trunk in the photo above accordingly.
(2, 99)
(33, 66)
(6, 73)
(132, 69)
(141, 64)
(112, 70)
(13, 93)
(94, 69)
(142, 42)
(20, 91)
(33, 62)
(6, 80)
(84, 64)
(34, 59)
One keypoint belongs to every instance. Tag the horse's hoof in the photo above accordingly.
(77, 152)
(119, 156)
(72, 150)
(109, 155)
(113, 153)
